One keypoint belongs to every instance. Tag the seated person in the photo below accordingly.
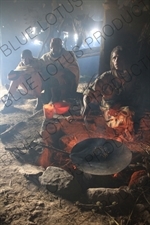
(115, 88)
(62, 72)
(28, 77)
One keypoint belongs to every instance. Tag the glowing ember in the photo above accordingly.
(44, 159)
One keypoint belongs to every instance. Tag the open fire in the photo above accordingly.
(61, 135)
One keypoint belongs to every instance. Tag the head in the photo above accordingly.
(56, 46)
(26, 57)
(118, 59)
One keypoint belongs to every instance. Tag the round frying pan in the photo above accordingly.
(99, 156)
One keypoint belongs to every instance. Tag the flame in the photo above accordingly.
(45, 158)
(116, 175)
(51, 158)
(74, 167)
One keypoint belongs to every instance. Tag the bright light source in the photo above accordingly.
(36, 42)
(66, 35)
(75, 37)
(33, 30)
(94, 30)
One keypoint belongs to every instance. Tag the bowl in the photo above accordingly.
(61, 107)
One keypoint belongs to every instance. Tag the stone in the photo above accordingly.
(60, 183)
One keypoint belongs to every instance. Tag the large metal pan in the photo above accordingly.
(100, 156)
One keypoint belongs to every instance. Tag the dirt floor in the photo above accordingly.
(23, 202)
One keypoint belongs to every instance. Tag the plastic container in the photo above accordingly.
(48, 110)
(58, 108)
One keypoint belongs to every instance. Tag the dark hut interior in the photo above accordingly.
(99, 162)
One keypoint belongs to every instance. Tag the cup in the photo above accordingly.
(48, 110)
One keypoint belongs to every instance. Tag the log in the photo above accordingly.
(114, 200)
